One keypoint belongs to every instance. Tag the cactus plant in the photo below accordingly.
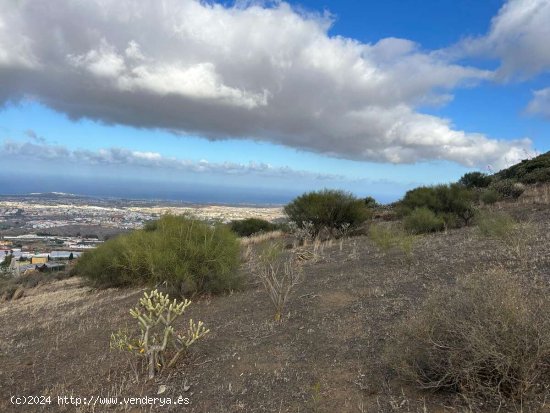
(156, 315)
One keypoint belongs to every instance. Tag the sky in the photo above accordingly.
(259, 101)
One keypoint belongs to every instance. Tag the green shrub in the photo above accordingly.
(495, 224)
(536, 176)
(184, 254)
(489, 196)
(475, 180)
(5, 261)
(251, 226)
(328, 209)
(370, 202)
(508, 188)
(423, 220)
(421, 197)
(443, 200)
(487, 338)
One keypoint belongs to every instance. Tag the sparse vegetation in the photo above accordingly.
(260, 238)
(328, 209)
(183, 254)
(518, 244)
(158, 343)
(386, 237)
(476, 342)
(10, 285)
(508, 188)
(487, 338)
(489, 196)
(279, 275)
(345, 306)
(495, 224)
(382, 236)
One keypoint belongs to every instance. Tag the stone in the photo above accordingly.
(18, 294)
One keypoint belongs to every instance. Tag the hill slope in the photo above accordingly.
(528, 171)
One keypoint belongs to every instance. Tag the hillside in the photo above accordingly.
(528, 171)
(326, 356)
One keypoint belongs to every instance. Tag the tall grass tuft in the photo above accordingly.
(494, 224)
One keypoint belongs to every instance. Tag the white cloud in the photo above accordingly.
(103, 62)
(518, 37)
(251, 71)
(540, 104)
(151, 160)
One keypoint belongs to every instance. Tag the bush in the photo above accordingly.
(5, 261)
(251, 226)
(475, 180)
(495, 224)
(423, 220)
(184, 254)
(487, 338)
(536, 176)
(370, 202)
(328, 209)
(489, 196)
(508, 188)
(443, 200)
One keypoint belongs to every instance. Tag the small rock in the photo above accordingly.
(162, 389)
(18, 294)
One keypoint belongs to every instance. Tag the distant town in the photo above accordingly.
(46, 232)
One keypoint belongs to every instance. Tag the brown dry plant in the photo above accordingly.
(487, 338)
(279, 276)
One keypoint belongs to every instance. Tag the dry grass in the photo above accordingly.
(261, 238)
(387, 236)
(495, 224)
(279, 276)
(487, 338)
(536, 194)
(513, 238)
